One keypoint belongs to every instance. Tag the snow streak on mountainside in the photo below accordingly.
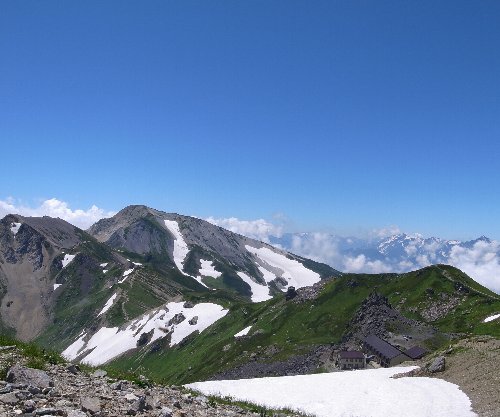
(208, 254)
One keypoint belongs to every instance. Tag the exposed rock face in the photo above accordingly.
(82, 395)
(259, 366)
(437, 365)
(311, 292)
(376, 316)
(436, 309)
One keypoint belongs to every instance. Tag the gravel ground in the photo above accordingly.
(474, 365)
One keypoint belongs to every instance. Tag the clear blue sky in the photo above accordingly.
(343, 114)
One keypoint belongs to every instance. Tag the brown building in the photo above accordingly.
(385, 354)
(351, 360)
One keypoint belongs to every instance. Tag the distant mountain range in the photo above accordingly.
(479, 258)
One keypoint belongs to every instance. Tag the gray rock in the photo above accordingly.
(138, 406)
(9, 398)
(46, 411)
(74, 369)
(131, 397)
(116, 385)
(178, 318)
(91, 404)
(34, 390)
(76, 413)
(100, 373)
(29, 406)
(165, 412)
(193, 321)
(23, 395)
(437, 365)
(8, 388)
(34, 377)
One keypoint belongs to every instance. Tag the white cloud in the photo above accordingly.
(386, 231)
(55, 208)
(259, 229)
(481, 262)
(361, 264)
(320, 247)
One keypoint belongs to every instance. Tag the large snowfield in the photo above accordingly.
(293, 271)
(363, 393)
(108, 343)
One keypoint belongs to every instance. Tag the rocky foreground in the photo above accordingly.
(64, 390)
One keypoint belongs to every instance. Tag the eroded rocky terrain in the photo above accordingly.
(65, 390)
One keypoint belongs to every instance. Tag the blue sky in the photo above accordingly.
(336, 115)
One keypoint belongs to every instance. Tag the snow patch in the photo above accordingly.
(180, 246)
(367, 393)
(260, 292)
(208, 270)
(14, 228)
(56, 286)
(125, 275)
(105, 270)
(244, 332)
(108, 304)
(104, 265)
(74, 349)
(67, 259)
(296, 274)
(491, 318)
(109, 343)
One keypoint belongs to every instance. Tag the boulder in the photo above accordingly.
(76, 413)
(35, 377)
(74, 369)
(100, 373)
(178, 318)
(437, 365)
(91, 404)
(9, 398)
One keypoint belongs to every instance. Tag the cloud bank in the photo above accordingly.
(258, 229)
(480, 260)
(56, 208)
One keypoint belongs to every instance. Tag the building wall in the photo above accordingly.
(398, 359)
(351, 363)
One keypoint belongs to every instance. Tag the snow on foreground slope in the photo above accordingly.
(367, 393)
(108, 343)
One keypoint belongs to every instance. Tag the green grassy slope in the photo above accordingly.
(295, 327)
